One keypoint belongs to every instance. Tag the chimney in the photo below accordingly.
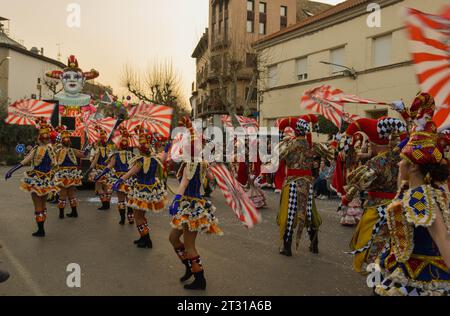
(42, 51)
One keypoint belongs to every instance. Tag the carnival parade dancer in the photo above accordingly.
(68, 175)
(118, 165)
(98, 165)
(417, 260)
(297, 207)
(148, 193)
(378, 177)
(39, 180)
(192, 214)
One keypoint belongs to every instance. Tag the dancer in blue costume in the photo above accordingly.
(39, 180)
(118, 165)
(417, 259)
(148, 193)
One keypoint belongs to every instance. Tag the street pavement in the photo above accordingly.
(242, 262)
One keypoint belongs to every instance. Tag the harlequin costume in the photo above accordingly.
(378, 177)
(297, 206)
(39, 180)
(412, 264)
(192, 212)
(148, 193)
(99, 161)
(118, 165)
(68, 174)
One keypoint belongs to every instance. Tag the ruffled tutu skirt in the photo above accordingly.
(147, 197)
(419, 276)
(39, 182)
(68, 177)
(197, 215)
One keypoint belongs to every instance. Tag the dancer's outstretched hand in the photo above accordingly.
(12, 170)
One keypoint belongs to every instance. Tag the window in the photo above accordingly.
(382, 47)
(283, 17)
(273, 76)
(302, 69)
(250, 5)
(249, 26)
(337, 56)
(262, 7)
(262, 28)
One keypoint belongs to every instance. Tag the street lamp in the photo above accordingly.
(348, 71)
(5, 59)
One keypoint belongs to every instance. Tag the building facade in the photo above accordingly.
(377, 58)
(224, 55)
(22, 71)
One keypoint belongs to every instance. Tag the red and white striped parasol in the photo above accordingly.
(429, 37)
(130, 125)
(24, 112)
(317, 100)
(155, 118)
(107, 124)
(249, 124)
(235, 196)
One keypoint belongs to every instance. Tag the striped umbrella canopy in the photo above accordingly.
(429, 37)
(25, 112)
(155, 118)
(319, 101)
(130, 126)
(107, 124)
(235, 196)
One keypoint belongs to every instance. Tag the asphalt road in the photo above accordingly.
(242, 262)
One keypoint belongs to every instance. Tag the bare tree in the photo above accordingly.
(160, 83)
(53, 86)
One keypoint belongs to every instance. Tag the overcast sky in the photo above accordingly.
(114, 32)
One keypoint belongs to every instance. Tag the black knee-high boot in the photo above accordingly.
(199, 282)
(314, 238)
(40, 220)
(180, 251)
(73, 205)
(61, 207)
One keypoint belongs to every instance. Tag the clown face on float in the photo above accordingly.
(73, 79)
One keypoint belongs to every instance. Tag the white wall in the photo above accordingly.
(24, 71)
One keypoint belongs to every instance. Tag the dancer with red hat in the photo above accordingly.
(297, 207)
(68, 175)
(98, 165)
(118, 165)
(417, 260)
(148, 193)
(39, 180)
(378, 177)
(191, 214)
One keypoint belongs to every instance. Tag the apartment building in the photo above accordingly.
(225, 59)
(340, 48)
